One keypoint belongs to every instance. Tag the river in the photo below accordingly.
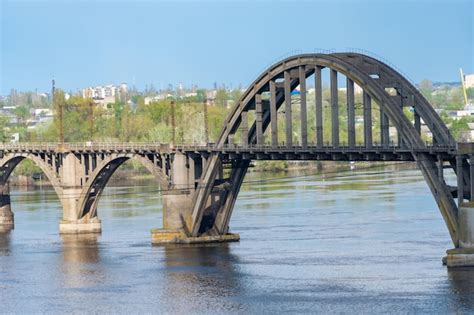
(360, 241)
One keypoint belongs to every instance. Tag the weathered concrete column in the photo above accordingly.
(463, 255)
(72, 181)
(178, 205)
(177, 201)
(6, 214)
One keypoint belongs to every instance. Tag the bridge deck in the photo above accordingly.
(231, 152)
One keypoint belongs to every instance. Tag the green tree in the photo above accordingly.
(221, 97)
(4, 130)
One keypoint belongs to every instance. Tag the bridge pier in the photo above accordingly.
(185, 172)
(6, 214)
(177, 201)
(463, 255)
(73, 178)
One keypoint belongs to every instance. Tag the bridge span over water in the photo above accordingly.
(200, 183)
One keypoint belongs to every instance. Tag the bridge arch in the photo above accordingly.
(374, 77)
(91, 192)
(10, 161)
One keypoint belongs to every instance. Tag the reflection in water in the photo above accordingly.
(80, 248)
(80, 259)
(354, 242)
(461, 281)
(198, 271)
(5, 229)
(5, 240)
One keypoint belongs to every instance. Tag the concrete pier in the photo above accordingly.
(80, 226)
(164, 236)
(463, 256)
(6, 214)
(6, 217)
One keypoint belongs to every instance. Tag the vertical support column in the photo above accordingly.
(273, 114)
(440, 169)
(6, 214)
(173, 124)
(258, 119)
(288, 115)
(367, 120)
(206, 125)
(54, 162)
(319, 106)
(417, 121)
(304, 123)
(384, 131)
(72, 182)
(350, 113)
(460, 182)
(91, 166)
(334, 110)
(471, 177)
(178, 201)
(245, 129)
(463, 253)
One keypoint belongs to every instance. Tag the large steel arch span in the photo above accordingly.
(91, 192)
(374, 77)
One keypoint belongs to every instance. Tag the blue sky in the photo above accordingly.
(201, 42)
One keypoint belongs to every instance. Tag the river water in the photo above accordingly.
(360, 241)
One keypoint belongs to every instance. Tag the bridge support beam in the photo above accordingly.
(73, 177)
(463, 255)
(177, 206)
(177, 202)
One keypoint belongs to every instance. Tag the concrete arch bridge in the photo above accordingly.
(370, 113)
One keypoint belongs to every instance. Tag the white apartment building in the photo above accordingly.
(469, 81)
(104, 91)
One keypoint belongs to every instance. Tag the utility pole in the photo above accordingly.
(173, 123)
(206, 128)
(91, 120)
(463, 85)
(58, 106)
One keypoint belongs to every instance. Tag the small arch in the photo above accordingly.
(10, 162)
(91, 193)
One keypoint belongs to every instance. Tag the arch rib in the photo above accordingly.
(374, 86)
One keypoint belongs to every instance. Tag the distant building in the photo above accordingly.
(151, 99)
(7, 111)
(42, 115)
(15, 137)
(211, 97)
(106, 94)
(469, 81)
(105, 101)
(357, 89)
(465, 113)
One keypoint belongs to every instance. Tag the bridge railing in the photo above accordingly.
(165, 147)
(314, 147)
(25, 146)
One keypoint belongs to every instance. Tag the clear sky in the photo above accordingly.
(201, 42)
